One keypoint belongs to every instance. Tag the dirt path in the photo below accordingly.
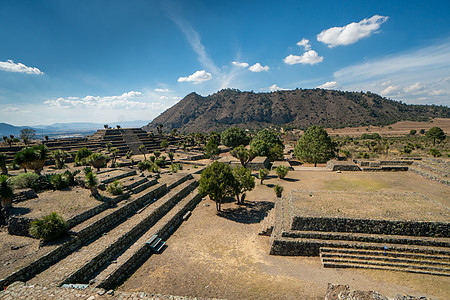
(222, 256)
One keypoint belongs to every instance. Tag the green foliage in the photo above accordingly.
(82, 153)
(58, 181)
(115, 188)
(27, 134)
(157, 153)
(6, 191)
(371, 136)
(264, 142)
(32, 158)
(278, 190)
(315, 146)
(174, 168)
(263, 174)
(91, 182)
(26, 180)
(234, 137)
(244, 181)
(3, 166)
(144, 165)
(435, 152)
(60, 157)
(276, 152)
(164, 144)
(171, 155)
(48, 227)
(282, 171)
(97, 160)
(215, 136)
(422, 131)
(245, 156)
(435, 133)
(129, 154)
(412, 132)
(212, 149)
(217, 181)
(152, 158)
(161, 162)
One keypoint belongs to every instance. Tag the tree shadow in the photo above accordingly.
(270, 185)
(249, 213)
(291, 179)
(18, 211)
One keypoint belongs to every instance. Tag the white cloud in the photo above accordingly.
(309, 57)
(351, 33)
(12, 109)
(258, 68)
(129, 101)
(162, 90)
(240, 64)
(274, 88)
(330, 85)
(10, 66)
(305, 43)
(197, 77)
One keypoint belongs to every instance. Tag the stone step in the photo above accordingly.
(126, 234)
(383, 267)
(395, 254)
(131, 182)
(431, 172)
(425, 260)
(373, 238)
(140, 251)
(98, 252)
(436, 169)
(115, 175)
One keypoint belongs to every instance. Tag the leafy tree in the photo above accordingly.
(106, 126)
(113, 151)
(164, 144)
(422, 131)
(60, 157)
(217, 181)
(48, 227)
(215, 136)
(412, 132)
(6, 191)
(435, 152)
(5, 138)
(27, 134)
(32, 158)
(263, 174)
(276, 152)
(156, 153)
(3, 164)
(118, 126)
(212, 149)
(97, 160)
(264, 141)
(82, 154)
(234, 137)
(245, 156)
(435, 133)
(91, 182)
(282, 171)
(315, 146)
(244, 181)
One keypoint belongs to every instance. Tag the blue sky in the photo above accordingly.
(107, 61)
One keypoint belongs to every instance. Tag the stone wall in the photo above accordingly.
(411, 228)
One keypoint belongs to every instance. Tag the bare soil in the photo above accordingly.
(220, 254)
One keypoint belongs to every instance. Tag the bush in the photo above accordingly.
(263, 174)
(97, 160)
(48, 227)
(115, 188)
(160, 162)
(83, 153)
(58, 181)
(144, 165)
(282, 171)
(26, 180)
(435, 152)
(157, 153)
(278, 190)
(176, 167)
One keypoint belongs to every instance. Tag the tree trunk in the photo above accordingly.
(4, 170)
(7, 202)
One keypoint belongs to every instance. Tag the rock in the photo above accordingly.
(110, 292)
(19, 226)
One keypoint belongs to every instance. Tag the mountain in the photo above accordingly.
(7, 129)
(298, 108)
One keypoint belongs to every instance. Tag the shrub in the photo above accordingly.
(83, 153)
(282, 171)
(115, 188)
(435, 152)
(263, 174)
(91, 182)
(160, 162)
(144, 165)
(26, 180)
(6, 191)
(152, 158)
(48, 227)
(412, 132)
(278, 190)
(157, 153)
(176, 167)
(58, 181)
(97, 160)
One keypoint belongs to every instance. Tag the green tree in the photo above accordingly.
(82, 154)
(91, 182)
(263, 174)
(211, 149)
(234, 137)
(142, 149)
(244, 181)
(217, 181)
(263, 143)
(214, 136)
(113, 151)
(6, 191)
(435, 133)
(278, 189)
(422, 131)
(60, 157)
(164, 144)
(97, 160)
(27, 134)
(282, 171)
(3, 166)
(32, 158)
(159, 128)
(315, 146)
(412, 132)
(245, 156)
(171, 155)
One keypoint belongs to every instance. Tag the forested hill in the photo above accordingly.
(298, 108)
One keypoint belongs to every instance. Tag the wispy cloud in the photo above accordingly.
(310, 57)
(240, 64)
(330, 85)
(416, 76)
(10, 66)
(351, 33)
(258, 68)
(162, 90)
(13, 109)
(304, 43)
(197, 77)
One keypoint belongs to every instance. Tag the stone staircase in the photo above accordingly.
(132, 140)
(107, 243)
(433, 168)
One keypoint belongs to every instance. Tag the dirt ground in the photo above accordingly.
(222, 256)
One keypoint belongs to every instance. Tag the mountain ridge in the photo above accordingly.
(299, 108)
